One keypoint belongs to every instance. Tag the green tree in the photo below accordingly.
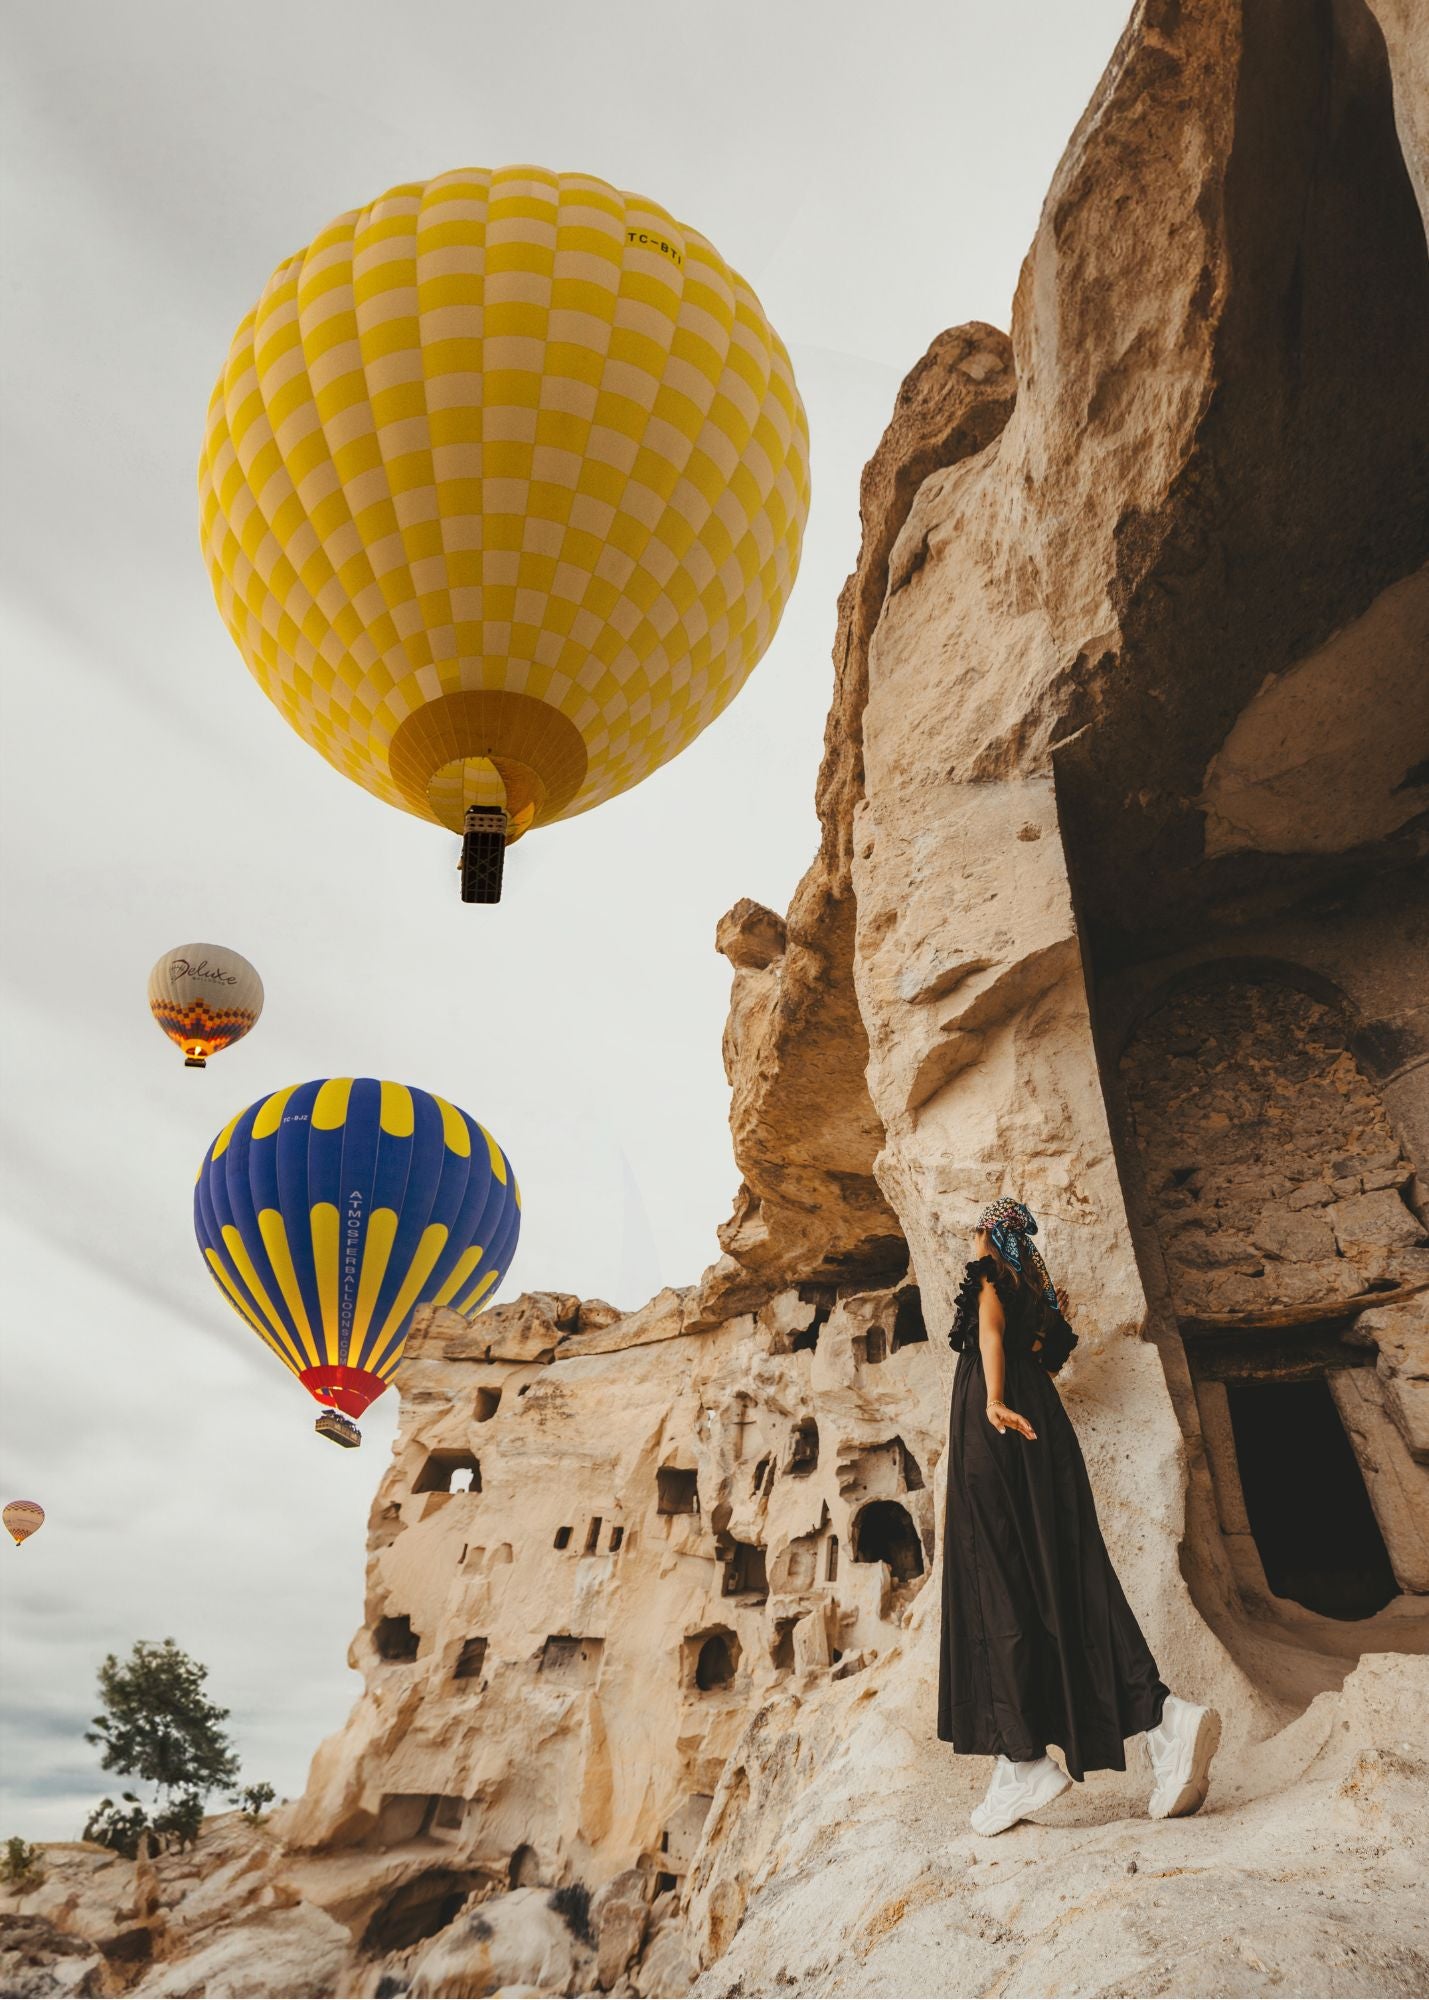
(159, 1725)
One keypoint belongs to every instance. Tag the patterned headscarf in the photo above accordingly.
(1012, 1226)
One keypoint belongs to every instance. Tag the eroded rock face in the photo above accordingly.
(805, 1132)
(638, 1540)
(224, 1917)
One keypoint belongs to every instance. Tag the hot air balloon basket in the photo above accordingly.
(483, 853)
(195, 1062)
(342, 1430)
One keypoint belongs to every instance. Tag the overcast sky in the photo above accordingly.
(876, 173)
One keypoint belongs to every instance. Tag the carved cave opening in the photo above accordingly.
(872, 1347)
(448, 1472)
(470, 1660)
(909, 1327)
(445, 1814)
(563, 1538)
(394, 1638)
(419, 1909)
(781, 1643)
(677, 1489)
(576, 1661)
(488, 1402)
(592, 1535)
(715, 1657)
(1305, 1499)
(884, 1532)
(746, 1572)
(803, 1448)
(523, 1871)
(807, 1340)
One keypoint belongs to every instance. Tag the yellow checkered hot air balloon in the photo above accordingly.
(502, 494)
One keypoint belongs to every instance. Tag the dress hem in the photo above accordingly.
(1027, 1754)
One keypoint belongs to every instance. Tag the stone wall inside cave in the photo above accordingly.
(1273, 1173)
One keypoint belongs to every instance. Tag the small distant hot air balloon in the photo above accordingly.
(329, 1211)
(502, 492)
(205, 998)
(23, 1518)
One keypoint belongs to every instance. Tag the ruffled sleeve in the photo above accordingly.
(1057, 1339)
(963, 1332)
(1034, 1325)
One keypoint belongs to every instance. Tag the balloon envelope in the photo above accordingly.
(503, 490)
(23, 1518)
(205, 998)
(328, 1211)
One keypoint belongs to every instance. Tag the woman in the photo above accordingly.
(1039, 1643)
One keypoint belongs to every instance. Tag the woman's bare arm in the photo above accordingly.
(991, 1324)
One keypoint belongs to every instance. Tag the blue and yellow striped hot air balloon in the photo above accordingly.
(329, 1211)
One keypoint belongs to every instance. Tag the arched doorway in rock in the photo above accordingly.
(883, 1531)
(1269, 1192)
(712, 1658)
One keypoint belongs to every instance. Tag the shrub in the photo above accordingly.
(181, 1821)
(20, 1867)
(111, 1825)
(254, 1801)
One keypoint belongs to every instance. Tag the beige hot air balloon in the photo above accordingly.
(205, 998)
(23, 1518)
(502, 496)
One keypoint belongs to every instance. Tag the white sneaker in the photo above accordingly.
(1182, 1745)
(1017, 1791)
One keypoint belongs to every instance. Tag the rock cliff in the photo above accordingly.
(1120, 904)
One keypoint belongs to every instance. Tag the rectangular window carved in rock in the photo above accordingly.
(677, 1490)
(909, 1329)
(803, 1448)
(575, 1661)
(470, 1660)
(395, 1639)
(745, 1571)
(1305, 1497)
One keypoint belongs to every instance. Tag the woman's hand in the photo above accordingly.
(1002, 1419)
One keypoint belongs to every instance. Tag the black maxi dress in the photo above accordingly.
(1039, 1643)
